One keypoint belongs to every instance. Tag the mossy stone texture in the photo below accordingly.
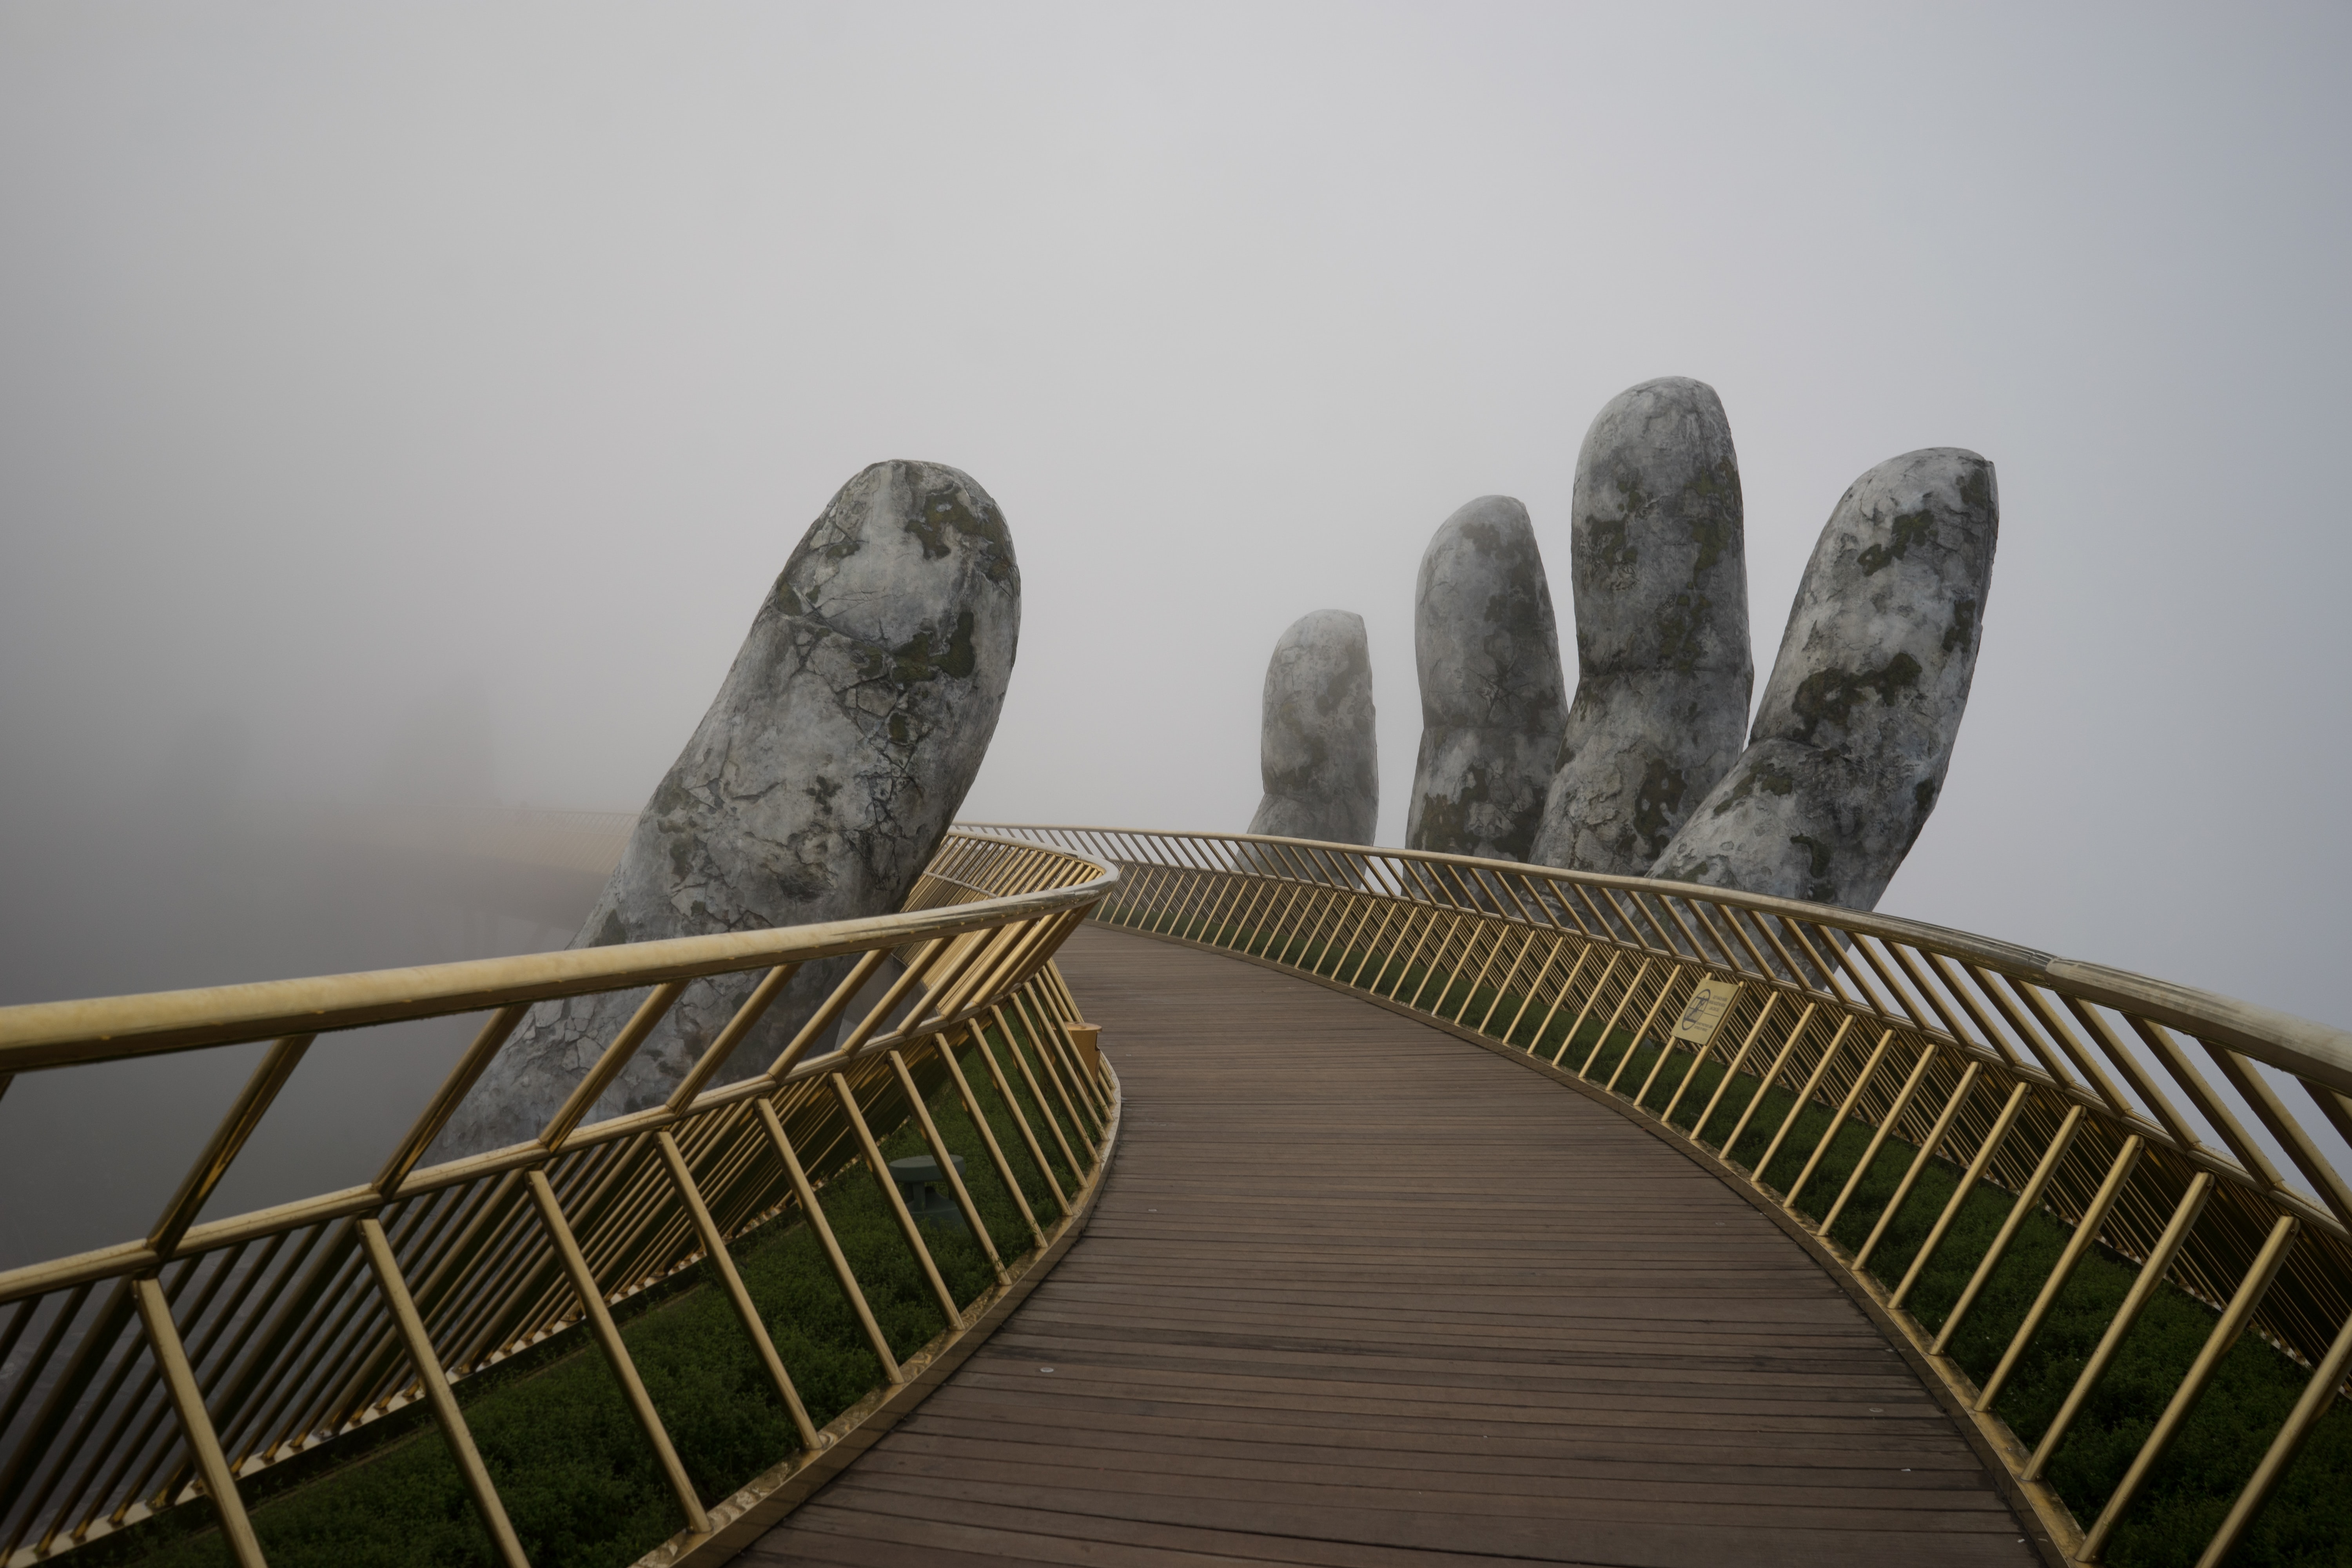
(816, 788)
(1315, 754)
(1856, 727)
(1658, 560)
(1492, 697)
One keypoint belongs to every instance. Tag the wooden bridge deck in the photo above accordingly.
(1360, 1293)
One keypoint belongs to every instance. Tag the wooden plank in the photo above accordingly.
(1357, 1292)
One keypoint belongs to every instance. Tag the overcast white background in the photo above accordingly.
(357, 360)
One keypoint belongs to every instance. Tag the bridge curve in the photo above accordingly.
(1358, 1292)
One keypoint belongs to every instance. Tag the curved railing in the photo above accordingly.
(145, 1376)
(2069, 1085)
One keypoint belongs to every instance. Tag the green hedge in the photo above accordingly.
(576, 1475)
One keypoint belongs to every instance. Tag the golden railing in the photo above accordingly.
(2054, 1079)
(163, 1370)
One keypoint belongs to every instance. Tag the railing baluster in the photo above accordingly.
(616, 1354)
(2086, 1233)
(1666, 985)
(1797, 1104)
(945, 1159)
(906, 1226)
(722, 1263)
(2271, 1111)
(1861, 1083)
(814, 1213)
(1771, 1075)
(2029, 1202)
(2143, 1290)
(195, 1422)
(1053, 1075)
(1887, 1126)
(1583, 1008)
(1020, 1119)
(987, 1138)
(2234, 1317)
(444, 1403)
(2319, 1396)
(2211, 1105)
(1986, 1152)
(1928, 1148)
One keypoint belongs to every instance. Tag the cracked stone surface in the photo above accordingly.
(1316, 755)
(1856, 727)
(1492, 698)
(817, 787)
(1658, 560)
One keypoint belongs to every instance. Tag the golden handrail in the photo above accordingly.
(161, 1369)
(2052, 1079)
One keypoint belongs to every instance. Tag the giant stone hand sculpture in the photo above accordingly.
(817, 787)
(1315, 754)
(1491, 695)
(1855, 731)
(1658, 558)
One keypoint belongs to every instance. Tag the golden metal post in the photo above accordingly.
(451, 1095)
(988, 1136)
(1764, 1086)
(1037, 1095)
(1053, 1046)
(1928, 1147)
(2086, 1233)
(945, 1159)
(1455, 920)
(616, 1355)
(906, 1226)
(228, 1140)
(1567, 986)
(2271, 1111)
(1878, 1137)
(1837, 1119)
(722, 1263)
(591, 1089)
(196, 1423)
(747, 1019)
(1731, 1068)
(828, 1013)
(1021, 1121)
(2318, 1398)
(908, 977)
(435, 1385)
(2251, 1291)
(1961, 1194)
(1502, 939)
(2029, 1200)
(1666, 989)
(1803, 1098)
(813, 1212)
(2142, 1287)
(1599, 985)
(1553, 947)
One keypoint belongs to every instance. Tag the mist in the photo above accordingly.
(409, 407)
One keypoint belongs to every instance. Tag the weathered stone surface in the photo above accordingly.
(815, 788)
(1492, 699)
(1856, 726)
(1315, 754)
(1658, 557)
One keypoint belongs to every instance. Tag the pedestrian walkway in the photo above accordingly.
(1358, 1293)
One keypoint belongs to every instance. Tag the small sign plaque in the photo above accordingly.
(1704, 1012)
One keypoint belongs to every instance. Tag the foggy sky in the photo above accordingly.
(361, 365)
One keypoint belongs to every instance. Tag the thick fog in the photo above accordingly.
(411, 404)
